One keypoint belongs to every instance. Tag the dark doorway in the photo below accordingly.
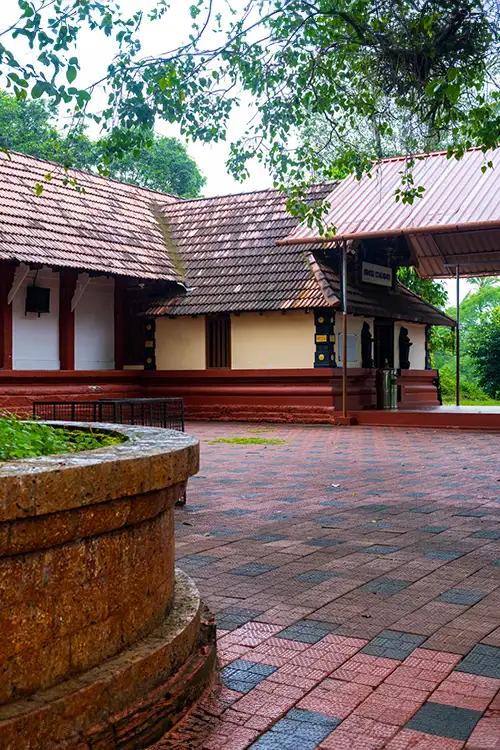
(383, 342)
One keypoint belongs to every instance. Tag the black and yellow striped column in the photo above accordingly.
(324, 337)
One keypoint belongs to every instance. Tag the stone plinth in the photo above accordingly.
(96, 627)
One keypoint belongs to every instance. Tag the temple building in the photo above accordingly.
(107, 289)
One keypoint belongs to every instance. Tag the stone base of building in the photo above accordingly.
(286, 396)
(312, 396)
(130, 700)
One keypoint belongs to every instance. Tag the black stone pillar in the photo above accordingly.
(324, 337)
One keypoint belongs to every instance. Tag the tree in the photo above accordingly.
(476, 311)
(26, 126)
(481, 282)
(432, 291)
(161, 164)
(485, 349)
(476, 305)
(436, 60)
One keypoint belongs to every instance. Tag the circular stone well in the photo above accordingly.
(104, 645)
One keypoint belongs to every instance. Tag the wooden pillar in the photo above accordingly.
(120, 331)
(7, 271)
(67, 286)
(150, 345)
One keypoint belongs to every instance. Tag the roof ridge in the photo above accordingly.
(423, 155)
(184, 201)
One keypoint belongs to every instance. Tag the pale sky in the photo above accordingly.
(95, 52)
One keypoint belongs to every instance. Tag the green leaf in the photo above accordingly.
(71, 73)
(37, 90)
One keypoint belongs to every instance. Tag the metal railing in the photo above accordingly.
(146, 412)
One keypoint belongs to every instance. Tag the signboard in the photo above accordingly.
(371, 273)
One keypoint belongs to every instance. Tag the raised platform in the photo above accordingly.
(306, 396)
(104, 646)
(447, 417)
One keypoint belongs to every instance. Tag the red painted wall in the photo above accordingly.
(307, 395)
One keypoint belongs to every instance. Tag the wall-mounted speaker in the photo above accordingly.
(37, 300)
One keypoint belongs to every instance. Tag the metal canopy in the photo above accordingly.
(476, 252)
(453, 230)
(456, 222)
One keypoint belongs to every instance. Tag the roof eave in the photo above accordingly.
(391, 232)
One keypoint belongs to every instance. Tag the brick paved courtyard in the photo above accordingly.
(355, 574)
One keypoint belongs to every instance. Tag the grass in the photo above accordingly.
(472, 402)
(249, 441)
(20, 439)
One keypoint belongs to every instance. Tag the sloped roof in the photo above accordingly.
(224, 249)
(456, 221)
(110, 228)
(232, 262)
(399, 303)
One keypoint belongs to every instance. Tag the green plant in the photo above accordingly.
(249, 441)
(485, 349)
(19, 439)
(470, 391)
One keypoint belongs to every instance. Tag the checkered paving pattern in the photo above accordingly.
(355, 578)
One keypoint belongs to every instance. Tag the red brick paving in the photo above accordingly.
(309, 511)
(408, 739)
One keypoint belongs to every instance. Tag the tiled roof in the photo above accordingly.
(111, 228)
(231, 258)
(223, 249)
(399, 303)
(233, 264)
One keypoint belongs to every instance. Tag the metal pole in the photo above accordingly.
(344, 329)
(457, 338)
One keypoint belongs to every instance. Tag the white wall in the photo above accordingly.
(35, 340)
(416, 332)
(354, 326)
(95, 326)
(272, 340)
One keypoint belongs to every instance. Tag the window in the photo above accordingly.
(218, 341)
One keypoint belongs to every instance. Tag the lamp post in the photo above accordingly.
(344, 329)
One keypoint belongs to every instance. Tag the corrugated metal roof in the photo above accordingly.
(111, 227)
(458, 197)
